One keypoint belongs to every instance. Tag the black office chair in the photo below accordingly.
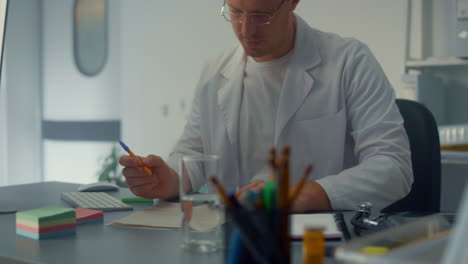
(424, 142)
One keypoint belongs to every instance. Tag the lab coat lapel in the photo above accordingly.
(230, 94)
(298, 80)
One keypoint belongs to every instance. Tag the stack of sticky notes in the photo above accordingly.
(86, 216)
(46, 222)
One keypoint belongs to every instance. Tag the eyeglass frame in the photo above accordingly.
(247, 15)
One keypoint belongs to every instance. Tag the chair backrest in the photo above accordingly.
(423, 136)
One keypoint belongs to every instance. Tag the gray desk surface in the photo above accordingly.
(93, 243)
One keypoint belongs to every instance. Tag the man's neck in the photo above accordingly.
(292, 36)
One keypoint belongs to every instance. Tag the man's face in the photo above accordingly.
(263, 41)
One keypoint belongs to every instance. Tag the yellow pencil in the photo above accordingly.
(134, 156)
(283, 206)
(272, 163)
(221, 191)
(299, 186)
(283, 180)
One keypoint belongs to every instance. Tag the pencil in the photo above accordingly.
(299, 186)
(221, 191)
(127, 149)
(272, 163)
(283, 181)
(283, 206)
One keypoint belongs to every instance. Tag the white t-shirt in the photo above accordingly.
(263, 82)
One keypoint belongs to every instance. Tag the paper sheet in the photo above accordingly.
(169, 215)
(327, 221)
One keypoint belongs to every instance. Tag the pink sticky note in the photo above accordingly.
(85, 214)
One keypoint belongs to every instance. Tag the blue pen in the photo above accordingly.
(238, 253)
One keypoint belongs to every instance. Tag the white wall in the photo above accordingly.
(164, 45)
(378, 23)
(69, 95)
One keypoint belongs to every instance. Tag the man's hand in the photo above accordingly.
(254, 186)
(311, 198)
(162, 183)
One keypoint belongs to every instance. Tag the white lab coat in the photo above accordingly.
(336, 110)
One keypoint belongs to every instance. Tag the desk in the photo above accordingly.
(95, 243)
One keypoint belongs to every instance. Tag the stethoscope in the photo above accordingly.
(362, 221)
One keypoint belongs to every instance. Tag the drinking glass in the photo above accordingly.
(201, 207)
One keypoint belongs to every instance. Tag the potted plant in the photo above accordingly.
(110, 171)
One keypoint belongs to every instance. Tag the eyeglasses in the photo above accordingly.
(253, 18)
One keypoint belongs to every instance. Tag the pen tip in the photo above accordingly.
(123, 145)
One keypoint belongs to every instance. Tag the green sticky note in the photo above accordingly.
(136, 199)
(45, 214)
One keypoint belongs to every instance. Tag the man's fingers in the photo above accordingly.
(152, 161)
(135, 172)
(137, 181)
(142, 190)
(128, 161)
(241, 190)
(254, 186)
(150, 191)
(134, 185)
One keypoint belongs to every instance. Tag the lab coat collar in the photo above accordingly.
(298, 80)
(306, 51)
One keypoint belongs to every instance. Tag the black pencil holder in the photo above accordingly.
(256, 237)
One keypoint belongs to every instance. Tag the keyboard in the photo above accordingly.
(95, 200)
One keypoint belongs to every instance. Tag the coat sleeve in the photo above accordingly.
(384, 173)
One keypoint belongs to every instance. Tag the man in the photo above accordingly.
(288, 84)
